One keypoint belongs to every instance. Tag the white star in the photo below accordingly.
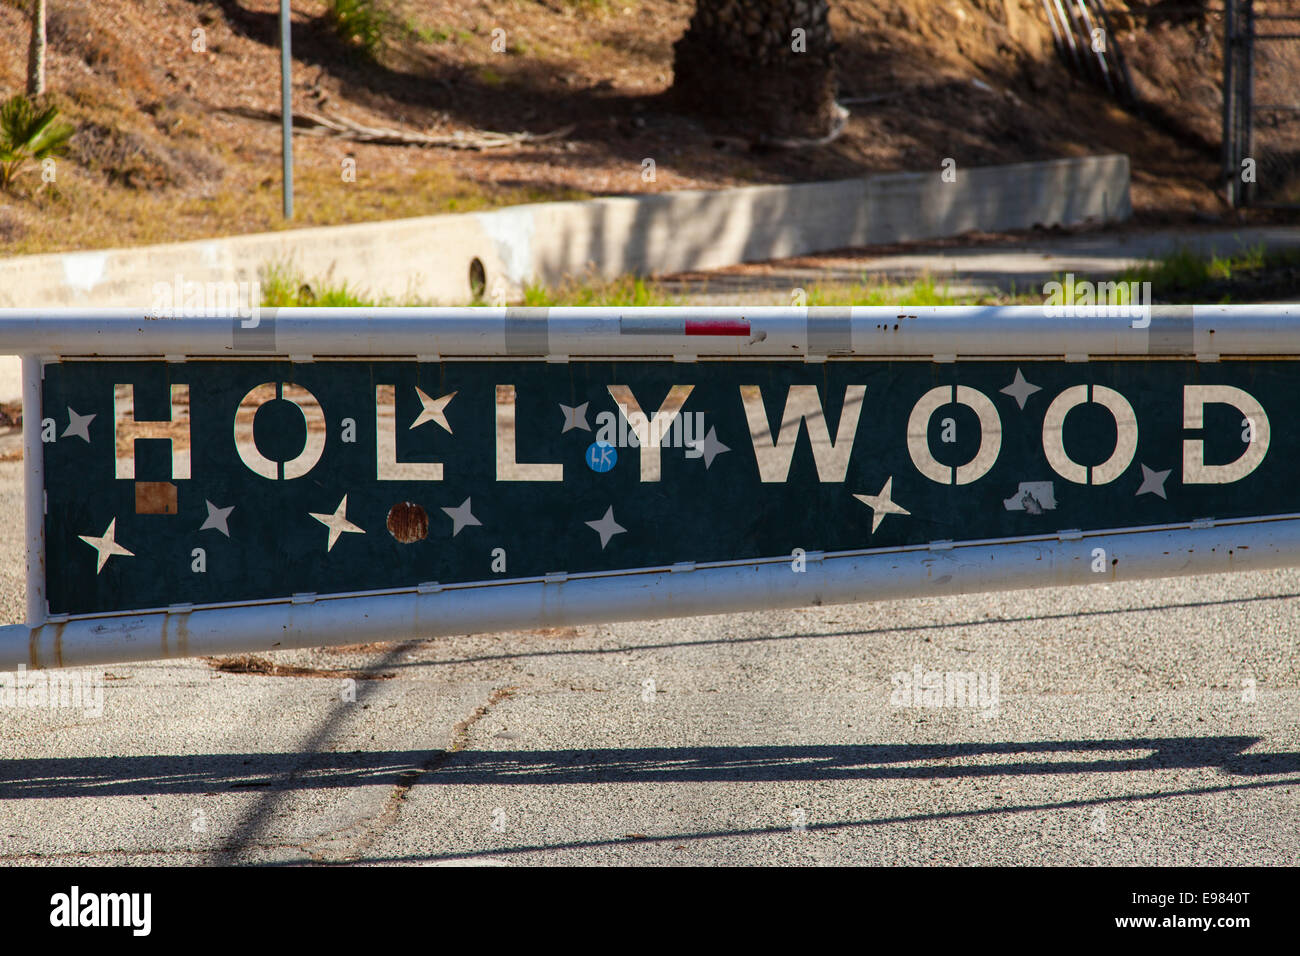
(216, 519)
(78, 425)
(106, 546)
(1019, 389)
(575, 417)
(433, 410)
(337, 522)
(606, 527)
(461, 516)
(709, 447)
(882, 504)
(1153, 482)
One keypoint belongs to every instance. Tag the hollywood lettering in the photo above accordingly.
(626, 424)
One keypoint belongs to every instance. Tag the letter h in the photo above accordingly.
(126, 429)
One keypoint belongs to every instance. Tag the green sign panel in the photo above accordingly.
(209, 481)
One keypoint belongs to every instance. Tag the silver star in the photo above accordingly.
(216, 519)
(709, 447)
(105, 545)
(1153, 482)
(433, 410)
(882, 504)
(337, 522)
(78, 425)
(1020, 390)
(575, 417)
(606, 527)
(461, 516)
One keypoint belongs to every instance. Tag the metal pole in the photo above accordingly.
(1229, 102)
(286, 109)
(1117, 53)
(1067, 27)
(34, 489)
(1108, 42)
(847, 578)
(1249, 190)
(781, 332)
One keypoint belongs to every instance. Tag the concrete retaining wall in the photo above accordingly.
(428, 258)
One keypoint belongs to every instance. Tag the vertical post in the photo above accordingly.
(34, 489)
(286, 109)
(1248, 99)
(36, 51)
(1230, 172)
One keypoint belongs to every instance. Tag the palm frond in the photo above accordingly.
(29, 133)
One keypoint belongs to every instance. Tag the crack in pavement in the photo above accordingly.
(247, 833)
(359, 837)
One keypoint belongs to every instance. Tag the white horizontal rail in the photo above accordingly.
(764, 332)
(1129, 556)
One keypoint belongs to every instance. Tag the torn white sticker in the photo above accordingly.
(1032, 496)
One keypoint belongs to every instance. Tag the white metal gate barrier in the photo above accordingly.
(308, 477)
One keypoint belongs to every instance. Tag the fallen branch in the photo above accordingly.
(316, 124)
(840, 124)
(873, 98)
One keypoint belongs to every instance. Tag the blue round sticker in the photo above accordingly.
(601, 456)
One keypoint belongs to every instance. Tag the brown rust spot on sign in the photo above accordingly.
(155, 498)
(408, 522)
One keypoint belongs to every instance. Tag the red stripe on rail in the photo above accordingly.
(717, 326)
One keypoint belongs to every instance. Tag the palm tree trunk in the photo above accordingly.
(768, 62)
(36, 51)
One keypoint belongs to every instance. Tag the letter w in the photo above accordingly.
(802, 404)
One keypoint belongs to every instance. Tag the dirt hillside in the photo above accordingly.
(169, 146)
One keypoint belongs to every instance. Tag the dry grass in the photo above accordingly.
(82, 214)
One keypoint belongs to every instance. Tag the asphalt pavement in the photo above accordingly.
(1013, 265)
(1145, 723)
